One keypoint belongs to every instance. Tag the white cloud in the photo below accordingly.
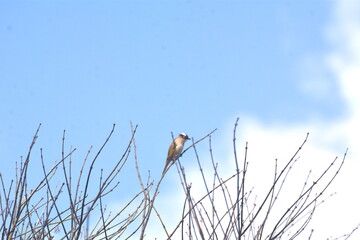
(327, 139)
(344, 32)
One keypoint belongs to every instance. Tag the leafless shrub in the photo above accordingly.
(226, 211)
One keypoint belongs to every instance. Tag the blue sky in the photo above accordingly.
(177, 66)
(170, 66)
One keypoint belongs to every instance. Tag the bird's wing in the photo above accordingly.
(170, 155)
(171, 151)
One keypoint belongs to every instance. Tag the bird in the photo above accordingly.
(175, 149)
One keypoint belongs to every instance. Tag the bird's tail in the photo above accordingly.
(166, 166)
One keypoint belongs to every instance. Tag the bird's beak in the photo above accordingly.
(187, 138)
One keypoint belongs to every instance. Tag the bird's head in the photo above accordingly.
(184, 136)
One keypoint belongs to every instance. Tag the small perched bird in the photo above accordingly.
(175, 149)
